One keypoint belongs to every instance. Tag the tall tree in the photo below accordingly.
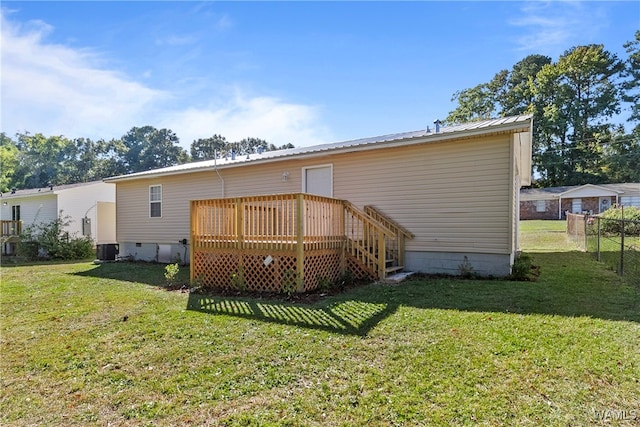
(474, 104)
(95, 160)
(252, 145)
(42, 160)
(516, 96)
(573, 101)
(8, 162)
(631, 84)
(145, 148)
(208, 148)
(622, 156)
(507, 94)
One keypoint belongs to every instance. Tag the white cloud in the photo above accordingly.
(54, 89)
(241, 117)
(57, 90)
(548, 27)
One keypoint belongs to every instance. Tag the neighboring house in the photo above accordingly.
(455, 189)
(554, 202)
(90, 208)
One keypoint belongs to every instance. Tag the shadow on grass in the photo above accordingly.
(570, 284)
(12, 261)
(148, 273)
(352, 316)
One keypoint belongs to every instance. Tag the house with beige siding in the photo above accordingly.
(453, 191)
(555, 202)
(88, 207)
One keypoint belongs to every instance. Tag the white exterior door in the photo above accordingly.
(576, 206)
(318, 180)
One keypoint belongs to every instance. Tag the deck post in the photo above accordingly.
(300, 241)
(192, 223)
(382, 256)
(342, 232)
(239, 224)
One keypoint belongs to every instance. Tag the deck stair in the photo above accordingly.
(395, 248)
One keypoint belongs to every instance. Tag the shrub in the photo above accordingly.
(50, 240)
(521, 268)
(170, 273)
(289, 282)
(611, 221)
(466, 269)
(237, 280)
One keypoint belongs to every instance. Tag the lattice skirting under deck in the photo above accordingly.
(248, 270)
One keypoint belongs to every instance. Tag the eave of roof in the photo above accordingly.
(48, 190)
(596, 187)
(506, 124)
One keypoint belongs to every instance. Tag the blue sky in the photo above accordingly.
(289, 72)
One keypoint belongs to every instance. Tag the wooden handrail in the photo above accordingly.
(388, 222)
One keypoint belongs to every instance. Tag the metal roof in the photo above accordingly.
(398, 139)
(53, 189)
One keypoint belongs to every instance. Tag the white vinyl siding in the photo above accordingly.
(33, 210)
(81, 201)
(541, 205)
(155, 201)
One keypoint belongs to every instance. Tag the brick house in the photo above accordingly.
(554, 202)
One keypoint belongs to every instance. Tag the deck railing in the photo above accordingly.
(266, 242)
(11, 228)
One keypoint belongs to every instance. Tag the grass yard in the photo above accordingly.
(108, 345)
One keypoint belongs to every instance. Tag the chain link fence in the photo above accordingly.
(615, 242)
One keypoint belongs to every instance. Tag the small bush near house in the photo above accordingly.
(170, 273)
(522, 268)
(631, 214)
(51, 241)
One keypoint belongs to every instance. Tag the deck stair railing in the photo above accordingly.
(394, 246)
(367, 240)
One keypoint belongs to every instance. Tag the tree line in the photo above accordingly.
(574, 102)
(35, 161)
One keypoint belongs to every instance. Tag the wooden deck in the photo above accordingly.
(288, 241)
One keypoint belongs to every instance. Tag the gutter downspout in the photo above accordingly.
(215, 166)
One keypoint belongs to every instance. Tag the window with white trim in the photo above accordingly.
(541, 205)
(155, 201)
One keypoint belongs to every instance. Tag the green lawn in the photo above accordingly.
(106, 344)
